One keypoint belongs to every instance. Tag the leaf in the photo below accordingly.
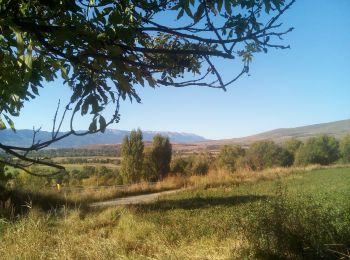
(181, 13)
(93, 126)
(10, 122)
(220, 2)
(2, 125)
(103, 124)
(228, 6)
(199, 13)
(267, 6)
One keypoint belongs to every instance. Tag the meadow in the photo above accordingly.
(276, 214)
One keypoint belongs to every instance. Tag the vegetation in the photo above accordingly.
(345, 149)
(322, 150)
(132, 153)
(229, 156)
(266, 154)
(301, 215)
(161, 155)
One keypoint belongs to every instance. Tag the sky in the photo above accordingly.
(307, 84)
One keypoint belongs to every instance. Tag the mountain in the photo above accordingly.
(110, 136)
(337, 129)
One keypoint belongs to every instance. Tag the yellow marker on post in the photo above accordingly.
(58, 186)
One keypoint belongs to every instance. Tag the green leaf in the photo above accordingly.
(93, 126)
(220, 2)
(10, 122)
(199, 13)
(181, 13)
(228, 6)
(103, 124)
(2, 125)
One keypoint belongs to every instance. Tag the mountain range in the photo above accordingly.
(110, 136)
(113, 136)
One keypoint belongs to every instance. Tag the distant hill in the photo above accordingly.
(111, 136)
(337, 129)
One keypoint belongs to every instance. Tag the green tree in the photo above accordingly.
(132, 154)
(158, 158)
(322, 150)
(228, 156)
(161, 154)
(345, 148)
(266, 154)
(292, 146)
(105, 49)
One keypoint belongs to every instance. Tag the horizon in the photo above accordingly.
(304, 85)
(206, 138)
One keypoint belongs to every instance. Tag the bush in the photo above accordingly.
(266, 154)
(297, 228)
(228, 157)
(199, 164)
(292, 146)
(179, 165)
(322, 150)
(345, 149)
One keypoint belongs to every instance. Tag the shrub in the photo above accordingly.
(266, 154)
(199, 164)
(179, 165)
(292, 146)
(322, 150)
(345, 149)
(228, 157)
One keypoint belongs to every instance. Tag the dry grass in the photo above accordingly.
(210, 228)
(215, 178)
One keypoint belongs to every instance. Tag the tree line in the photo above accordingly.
(323, 150)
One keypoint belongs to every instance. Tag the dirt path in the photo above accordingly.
(133, 199)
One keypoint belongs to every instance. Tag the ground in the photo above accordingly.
(301, 215)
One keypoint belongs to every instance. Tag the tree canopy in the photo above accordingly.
(105, 49)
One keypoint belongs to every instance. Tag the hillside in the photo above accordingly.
(111, 136)
(337, 129)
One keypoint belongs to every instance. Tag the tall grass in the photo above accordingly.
(291, 217)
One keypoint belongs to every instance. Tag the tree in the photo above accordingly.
(132, 154)
(158, 158)
(322, 150)
(292, 146)
(266, 154)
(345, 148)
(105, 49)
(161, 154)
(228, 156)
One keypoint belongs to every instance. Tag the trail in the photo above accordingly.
(138, 199)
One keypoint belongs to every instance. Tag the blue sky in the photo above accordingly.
(307, 84)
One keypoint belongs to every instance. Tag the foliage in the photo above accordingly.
(292, 145)
(322, 150)
(266, 154)
(5, 176)
(161, 155)
(93, 44)
(345, 148)
(157, 159)
(149, 172)
(199, 164)
(179, 165)
(228, 156)
(132, 153)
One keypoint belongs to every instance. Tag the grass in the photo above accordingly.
(296, 215)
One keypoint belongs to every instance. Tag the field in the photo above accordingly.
(296, 216)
